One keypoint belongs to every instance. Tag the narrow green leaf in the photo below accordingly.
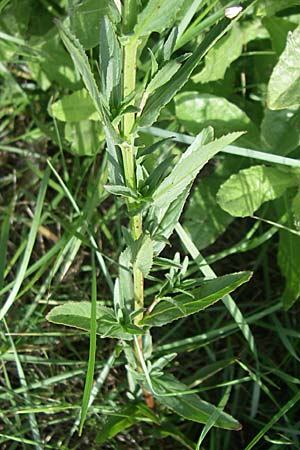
(110, 61)
(82, 64)
(143, 254)
(163, 76)
(78, 315)
(156, 16)
(243, 193)
(120, 190)
(188, 167)
(92, 352)
(29, 246)
(284, 84)
(165, 93)
(125, 418)
(190, 406)
(183, 305)
(293, 401)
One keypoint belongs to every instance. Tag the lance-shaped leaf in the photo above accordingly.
(289, 262)
(125, 418)
(284, 84)
(110, 60)
(82, 64)
(188, 167)
(78, 315)
(190, 406)
(243, 193)
(156, 16)
(142, 254)
(185, 304)
(165, 93)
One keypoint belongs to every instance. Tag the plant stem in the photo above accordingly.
(128, 151)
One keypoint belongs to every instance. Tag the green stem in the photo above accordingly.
(128, 151)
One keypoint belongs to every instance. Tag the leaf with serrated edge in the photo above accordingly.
(190, 406)
(188, 167)
(183, 305)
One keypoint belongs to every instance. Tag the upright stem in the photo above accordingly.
(128, 151)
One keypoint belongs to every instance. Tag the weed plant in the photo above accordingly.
(132, 135)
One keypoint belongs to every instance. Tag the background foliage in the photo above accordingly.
(243, 213)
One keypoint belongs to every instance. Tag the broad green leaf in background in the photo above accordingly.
(55, 62)
(190, 406)
(280, 130)
(270, 7)
(284, 84)
(78, 315)
(182, 305)
(86, 137)
(243, 193)
(188, 167)
(203, 218)
(289, 262)
(75, 107)
(125, 418)
(278, 29)
(86, 18)
(196, 111)
(221, 56)
(156, 16)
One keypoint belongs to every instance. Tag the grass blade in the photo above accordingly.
(274, 419)
(227, 300)
(231, 149)
(92, 354)
(29, 247)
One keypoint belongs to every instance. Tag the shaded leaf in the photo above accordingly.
(183, 305)
(243, 193)
(78, 315)
(289, 262)
(280, 131)
(197, 111)
(190, 406)
(284, 84)
(278, 29)
(86, 18)
(221, 56)
(156, 16)
(125, 418)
